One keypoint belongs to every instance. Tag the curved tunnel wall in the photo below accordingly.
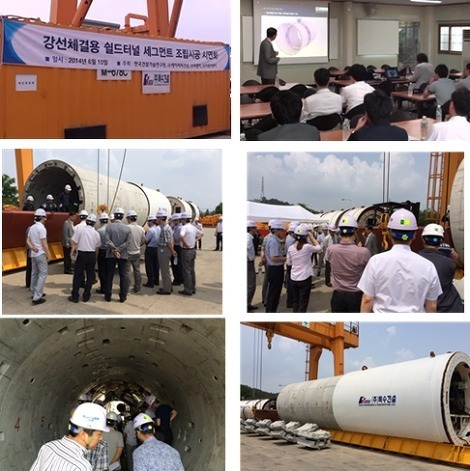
(45, 364)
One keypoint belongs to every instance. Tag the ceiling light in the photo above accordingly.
(426, 1)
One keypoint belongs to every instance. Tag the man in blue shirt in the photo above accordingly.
(153, 454)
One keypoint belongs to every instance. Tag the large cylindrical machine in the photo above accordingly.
(248, 408)
(90, 190)
(179, 205)
(425, 399)
(456, 213)
(364, 215)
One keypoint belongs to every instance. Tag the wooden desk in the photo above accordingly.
(417, 98)
(337, 73)
(255, 110)
(412, 127)
(373, 83)
(254, 89)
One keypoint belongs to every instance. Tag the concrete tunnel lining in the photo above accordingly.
(46, 363)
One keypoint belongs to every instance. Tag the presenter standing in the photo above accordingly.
(267, 62)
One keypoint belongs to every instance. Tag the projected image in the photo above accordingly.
(298, 37)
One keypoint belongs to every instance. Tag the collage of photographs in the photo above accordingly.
(134, 336)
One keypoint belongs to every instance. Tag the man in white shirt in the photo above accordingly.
(86, 427)
(398, 280)
(218, 235)
(353, 95)
(37, 243)
(324, 101)
(458, 127)
(188, 237)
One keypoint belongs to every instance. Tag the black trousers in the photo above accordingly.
(177, 269)
(218, 240)
(102, 268)
(342, 301)
(251, 282)
(301, 294)
(29, 270)
(289, 292)
(67, 259)
(85, 264)
(275, 276)
(265, 81)
(151, 265)
(165, 436)
(327, 272)
(122, 267)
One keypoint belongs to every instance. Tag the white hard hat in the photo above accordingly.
(433, 230)
(68, 187)
(332, 228)
(111, 218)
(131, 213)
(104, 217)
(29, 198)
(92, 218)
(150, 399)
(40, 213)
(49, 197)
(402, 220)
(348, 221)
(270, 222)
(84, 398)
(151, 218)
(161, 213)
(176, 216)
(277, 224)
(83, 213)
(324, 227)
(301, 230)
(251, 224)
(90, 416)
(141, 419)
(185, 215)
(112, 416)
(118, 211)
(292, 227)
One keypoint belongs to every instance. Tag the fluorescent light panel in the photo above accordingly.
(426, 1)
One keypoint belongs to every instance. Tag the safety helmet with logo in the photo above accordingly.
(150, 399)
(324, 227)
(332, 228)
(83, 214)
(292, 227)
(161, 213)
(347, 225)
(433, 234)
(185, 215)
(275, 225)
(30, 198)
(49, 198)
(301, 231)
(91, 219)
(131, 214)
(143, 423)
(68, 188)
(90, 416)
(40, 213)
(103, 217)
(402, 224)
(251, 224)
(151, 218)
(118, 211)
(176, 216)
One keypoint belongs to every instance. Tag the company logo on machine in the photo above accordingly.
(388, 400)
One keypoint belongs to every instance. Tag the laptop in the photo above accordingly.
(392, 73)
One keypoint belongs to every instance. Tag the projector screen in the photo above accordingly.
(302, 29)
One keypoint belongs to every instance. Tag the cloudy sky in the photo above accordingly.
(379, 344)
(194, 175)
(322, 180)
(205, 20)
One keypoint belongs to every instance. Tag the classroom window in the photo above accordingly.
(451, 38)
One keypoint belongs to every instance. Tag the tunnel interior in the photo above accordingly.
(45, 364)
(53, 182)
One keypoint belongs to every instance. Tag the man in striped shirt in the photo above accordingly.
(86, 427)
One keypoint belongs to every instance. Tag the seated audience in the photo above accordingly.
(375, 124)
(423, 71)
(441, 85)
(286, 108)
(464, 82)
(457, 128)
(352, 95)
(324, 102)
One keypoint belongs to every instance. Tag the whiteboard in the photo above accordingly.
(377, 37)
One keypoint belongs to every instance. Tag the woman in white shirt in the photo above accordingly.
(299, 257)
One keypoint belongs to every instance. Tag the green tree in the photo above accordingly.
(9, 191)
(218, 209)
